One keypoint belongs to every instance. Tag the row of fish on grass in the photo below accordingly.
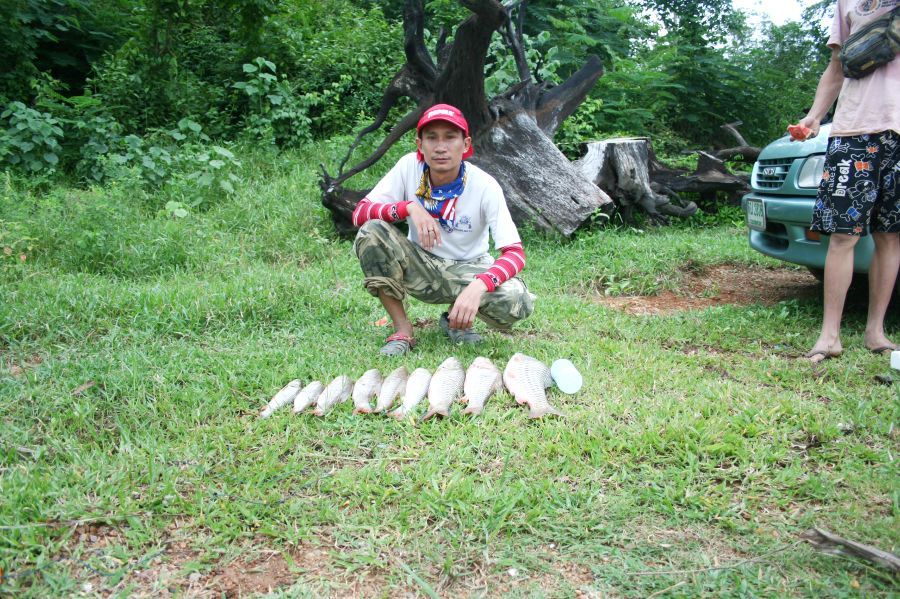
(525, 377)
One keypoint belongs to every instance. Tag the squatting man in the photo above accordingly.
(451, 207)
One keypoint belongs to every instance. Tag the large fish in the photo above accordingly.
(446, 385)
(527, 378)
(281, 399)
(307, 396)
(337, 391)
(364, 389)
(394, 384)
(416, 388)
(483, 379)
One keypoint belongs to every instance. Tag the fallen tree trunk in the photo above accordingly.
(710, 177)
(747, 153)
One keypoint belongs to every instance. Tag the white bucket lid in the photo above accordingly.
(566, 376)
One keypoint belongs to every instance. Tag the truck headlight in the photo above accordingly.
(811, 171)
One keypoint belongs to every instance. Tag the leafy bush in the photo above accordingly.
(100, 135)
(182, 162)
(501, 68)
(30, 140)
(144, 92)
(341, 57)
(204, 174)
(275, 110)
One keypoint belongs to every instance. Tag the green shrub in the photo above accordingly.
(333, 48)
(502, 73)
(182, 163)
(98, 136)
(29, 139)
(275, 110)
(145, 92)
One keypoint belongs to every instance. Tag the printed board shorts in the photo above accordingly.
(393, 264)
(859, 188)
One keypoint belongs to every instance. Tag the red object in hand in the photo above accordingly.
(799, 132)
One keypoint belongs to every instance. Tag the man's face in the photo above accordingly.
(443, 146)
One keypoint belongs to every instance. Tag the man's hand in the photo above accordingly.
(808, 127)
(426, 226)
(462, 316)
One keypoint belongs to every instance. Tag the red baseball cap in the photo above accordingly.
(449, 114)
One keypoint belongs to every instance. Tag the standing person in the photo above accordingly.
(451, 207)
(858, 193)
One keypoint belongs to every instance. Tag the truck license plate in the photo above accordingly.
(756, 214)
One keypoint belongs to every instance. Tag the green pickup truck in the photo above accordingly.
(779, 208)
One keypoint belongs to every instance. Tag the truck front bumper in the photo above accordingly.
(786, 234)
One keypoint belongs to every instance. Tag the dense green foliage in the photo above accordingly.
(82, 76)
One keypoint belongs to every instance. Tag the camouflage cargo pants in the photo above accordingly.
(393, 264)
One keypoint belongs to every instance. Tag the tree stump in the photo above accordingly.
(540, 184)
(621, 168)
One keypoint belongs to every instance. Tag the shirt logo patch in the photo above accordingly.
(867, 7)
(464, 224)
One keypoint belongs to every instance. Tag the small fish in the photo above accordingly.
(527, 378)
(483, 379)
(393, 385)
(364, 389)
(281, 399)
(416, 388)
(337, 391)
(307, 396)
(446, 385)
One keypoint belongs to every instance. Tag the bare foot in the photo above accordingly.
(820, 354)
(885, 349)
(880, 344)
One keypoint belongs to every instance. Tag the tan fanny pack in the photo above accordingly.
(872, 46)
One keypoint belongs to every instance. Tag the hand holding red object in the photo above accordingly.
(799, 132)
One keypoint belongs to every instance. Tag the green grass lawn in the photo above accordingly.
(138, 349)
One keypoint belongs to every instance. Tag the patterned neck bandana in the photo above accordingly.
(440, 201)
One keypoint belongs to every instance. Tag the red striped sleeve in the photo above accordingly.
(509, 264)
(366, 210)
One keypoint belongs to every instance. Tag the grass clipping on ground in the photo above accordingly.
(137, 351)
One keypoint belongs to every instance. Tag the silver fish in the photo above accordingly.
(416, 388)
(446, 385)
(527, 378)
(364, 389)
(483, 379)
(285, 396)
(337, 391)
(307, 396)
(393, 385)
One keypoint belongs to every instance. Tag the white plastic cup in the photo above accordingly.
(895, 360)
(566, 376)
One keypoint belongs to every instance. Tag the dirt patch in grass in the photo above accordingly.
(720, 285)
(18, 369)
(241, 578)
(182, 567)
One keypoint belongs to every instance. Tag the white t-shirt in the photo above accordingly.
(870, 104)
(480, 209)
